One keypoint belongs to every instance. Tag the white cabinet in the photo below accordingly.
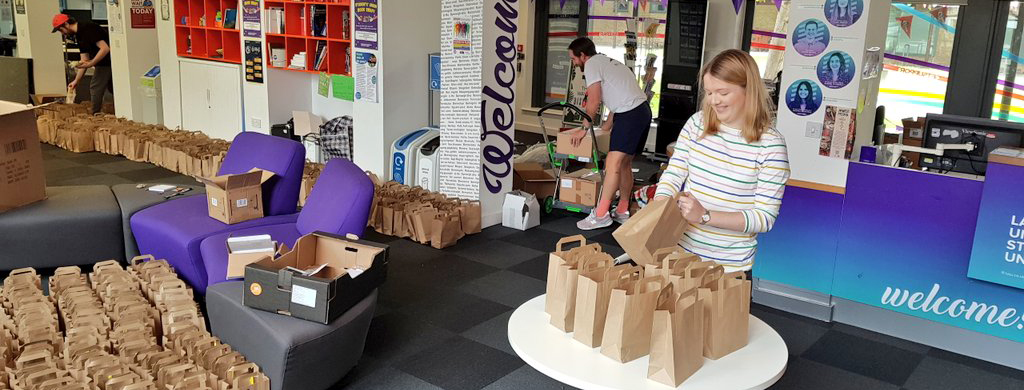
(211, 98)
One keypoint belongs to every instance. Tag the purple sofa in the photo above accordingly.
(173, 230)
(339, 204)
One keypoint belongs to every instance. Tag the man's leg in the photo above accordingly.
(101, 80)
(625, 185)
(612, 178)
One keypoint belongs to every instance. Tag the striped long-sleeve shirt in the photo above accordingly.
(725, 173)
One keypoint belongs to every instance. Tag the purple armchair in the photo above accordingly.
(173, 230)
(339, 204)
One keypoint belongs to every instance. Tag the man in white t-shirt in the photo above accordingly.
(629, 119)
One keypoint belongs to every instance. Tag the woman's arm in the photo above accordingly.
(772, 175)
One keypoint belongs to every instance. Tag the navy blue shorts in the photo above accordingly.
(629, 130)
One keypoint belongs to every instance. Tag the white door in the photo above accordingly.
(195, 96)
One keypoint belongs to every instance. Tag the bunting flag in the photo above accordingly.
(778, 4)
(561, 4)
(905, 23)
(736, 4)
(940, 14)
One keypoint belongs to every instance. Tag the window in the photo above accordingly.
(1009, 97)
(918, 51)
(563, 26)
(768, 36)
(607, 25)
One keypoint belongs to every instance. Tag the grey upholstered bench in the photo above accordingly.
(75, 225)
(295, 354)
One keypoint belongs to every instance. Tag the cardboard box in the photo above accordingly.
(585, 149)
(534, 179)
(236, 198)
(306, 123)
(43, 98)
(319, 279)
(913, 128)
(21, 157)
(245, 250)
(520, 211)
(581, 187)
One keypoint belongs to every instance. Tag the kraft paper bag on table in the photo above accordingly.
(593, 291)
(627, 330)
(659, 225)
(668, 261)
(726, 313)
(560, 298)
(677, 338)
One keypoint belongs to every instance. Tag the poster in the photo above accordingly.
(366, 77)
(254, 62)
(323, 85)
(836, 69)
(343, 87)
(803, 97)
(843, 13)
(5, 10)
(251, 18)
(366, 24)
(838, 132)
(143, 14)
(462, 36)
(872, 63)
(811, 37)
(997, 254)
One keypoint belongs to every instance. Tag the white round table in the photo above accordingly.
(556, 354)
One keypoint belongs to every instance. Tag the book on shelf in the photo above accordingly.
(275, 20)
(321, 56)
(318, 21)
(230, 18)
(346, 24)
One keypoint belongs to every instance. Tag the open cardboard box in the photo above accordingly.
(534, 179)
(21, 157)
(581, 187)
(236, 198)
(318, 280)
(245, 250)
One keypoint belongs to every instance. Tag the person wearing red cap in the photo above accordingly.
(95, 49)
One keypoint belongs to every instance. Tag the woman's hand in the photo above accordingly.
(692, 210)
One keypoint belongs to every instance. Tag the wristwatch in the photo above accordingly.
(704, 219)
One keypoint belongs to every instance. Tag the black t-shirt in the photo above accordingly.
(88, 35)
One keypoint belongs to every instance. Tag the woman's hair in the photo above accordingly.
(842, 63)
(810, 91)
(738, 68)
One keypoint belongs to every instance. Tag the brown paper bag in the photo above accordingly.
(593, 291)
(659, 225)
(677, 338)
(471, 214)
(560, 296)
(387, 220)
(422, 222)
(445, 231)
(627, 329)
(726, 314)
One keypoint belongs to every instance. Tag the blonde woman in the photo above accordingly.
(731, 164)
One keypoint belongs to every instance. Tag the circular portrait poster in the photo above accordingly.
(843, 13)
(836, 69)
(803, 97)
(810, 37)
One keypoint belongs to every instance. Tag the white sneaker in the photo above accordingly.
(620, 218)
(592, 221)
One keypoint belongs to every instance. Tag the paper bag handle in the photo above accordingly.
(138, 259)
(651, 283)
(662, 255)
(712, 275)
(594, 261)
(666, 293)
(559, 247)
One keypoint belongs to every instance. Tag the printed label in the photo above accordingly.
(214, 202)
(566, 183)
(241, 203)
(304, 296)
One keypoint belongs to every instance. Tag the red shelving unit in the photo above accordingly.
(198, 35)
(298, 36)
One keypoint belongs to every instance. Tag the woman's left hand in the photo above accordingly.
(692, 210)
